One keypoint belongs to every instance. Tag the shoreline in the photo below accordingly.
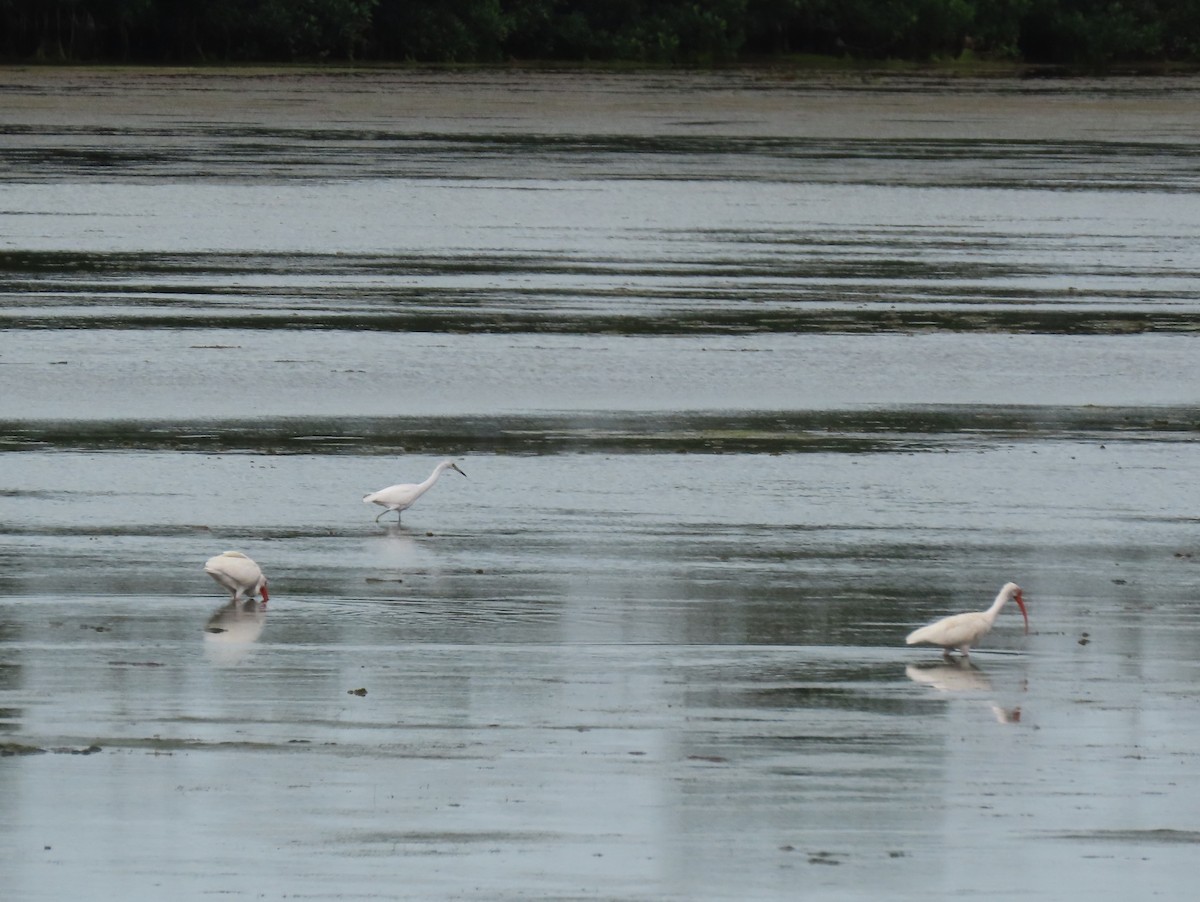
(794, 65)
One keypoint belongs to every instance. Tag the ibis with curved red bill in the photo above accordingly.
(962, 631)
(237, 573)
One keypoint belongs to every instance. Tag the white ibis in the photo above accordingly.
(237, 573)
(401, 497)
(961, 631)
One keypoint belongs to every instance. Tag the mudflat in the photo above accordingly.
(750, 373)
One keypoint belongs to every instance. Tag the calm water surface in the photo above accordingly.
(750, 375)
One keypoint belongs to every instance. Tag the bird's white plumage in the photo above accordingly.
(237, 573)
(962, 631)
(400, 497)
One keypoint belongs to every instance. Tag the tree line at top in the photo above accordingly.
(1078, 32)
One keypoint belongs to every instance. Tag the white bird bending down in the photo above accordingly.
(238, 574)
(401, 497)
(961, 631)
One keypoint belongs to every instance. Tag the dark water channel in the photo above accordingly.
(750, 374)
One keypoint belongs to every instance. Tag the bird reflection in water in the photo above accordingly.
(960, 675)
(232, 630)
(956, 675)
(397, 549)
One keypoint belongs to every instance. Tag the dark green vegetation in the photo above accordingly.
(1077, 32)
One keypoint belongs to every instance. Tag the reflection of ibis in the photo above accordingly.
(961, 631)
(401, 497)
(960, 675)
(237, 573)
(957, 675)
(233, 629)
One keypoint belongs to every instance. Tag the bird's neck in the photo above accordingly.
(999, 603)
(433, 477)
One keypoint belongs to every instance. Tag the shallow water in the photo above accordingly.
(750, 375)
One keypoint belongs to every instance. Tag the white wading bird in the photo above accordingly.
(238, 574)
(961, 631)
(401, 497)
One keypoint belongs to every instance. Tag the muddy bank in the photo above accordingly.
(750, 376)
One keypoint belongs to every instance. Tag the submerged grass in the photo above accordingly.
(834, 320)
(771, 432)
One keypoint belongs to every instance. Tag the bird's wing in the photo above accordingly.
(395, 494)
(233, 570)
(953, 631)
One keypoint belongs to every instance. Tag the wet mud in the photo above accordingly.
(751, 374)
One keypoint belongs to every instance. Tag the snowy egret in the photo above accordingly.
(401, 497)
(961, 631)
(238, 574)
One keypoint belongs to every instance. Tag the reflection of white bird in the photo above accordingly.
(961, 631)
(960, 675)
(232, 630)
(237, 573)
(1006, 715)
(401, 497)
(957, 675)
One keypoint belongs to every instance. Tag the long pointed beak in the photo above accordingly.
(1021, 604)
(263, 592)
(457, 470)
